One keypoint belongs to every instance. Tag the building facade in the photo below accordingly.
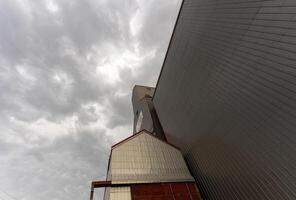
(145, 166)
(227, 96)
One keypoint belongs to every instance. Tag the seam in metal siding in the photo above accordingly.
(227, 96)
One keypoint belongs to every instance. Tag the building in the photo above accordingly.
(144, 109)
(145, 166)
(227, 97)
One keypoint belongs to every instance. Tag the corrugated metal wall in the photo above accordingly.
(227, 96)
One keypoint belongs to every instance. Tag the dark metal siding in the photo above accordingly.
(227, 96)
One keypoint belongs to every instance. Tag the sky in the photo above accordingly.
(67, 69)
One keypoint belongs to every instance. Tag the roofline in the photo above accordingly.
(141, 132)
(166, 142)
(166, 54)
(143, 86)
(128, 138)
(109, 161)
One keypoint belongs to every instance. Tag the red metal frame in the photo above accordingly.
(165, 191)
(157, 191)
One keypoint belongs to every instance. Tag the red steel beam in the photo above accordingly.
(98, 184)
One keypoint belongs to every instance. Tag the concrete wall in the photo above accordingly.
(227, 96)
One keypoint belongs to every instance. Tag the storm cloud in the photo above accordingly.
(67, 69)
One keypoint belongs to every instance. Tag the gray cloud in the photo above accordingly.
(122, 109)
(67, 69)
(61, 169)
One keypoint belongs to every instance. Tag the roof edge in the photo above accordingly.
(166, 54)
(141, 132)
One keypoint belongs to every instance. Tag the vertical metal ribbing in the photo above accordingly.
(227, 96)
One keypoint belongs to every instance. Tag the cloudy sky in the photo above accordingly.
(67, 68)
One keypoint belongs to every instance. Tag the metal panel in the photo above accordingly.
(145, 159)
(227, 96)
(165, 191)
(118, 193)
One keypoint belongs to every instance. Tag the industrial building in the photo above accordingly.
(145, 165)
(226, 98)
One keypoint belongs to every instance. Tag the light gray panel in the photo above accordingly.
(146, 159)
